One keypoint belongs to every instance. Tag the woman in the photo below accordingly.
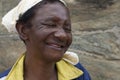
(45, 28)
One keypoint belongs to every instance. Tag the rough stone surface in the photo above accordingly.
(96, 37)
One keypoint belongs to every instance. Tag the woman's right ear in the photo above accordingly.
(22, 31)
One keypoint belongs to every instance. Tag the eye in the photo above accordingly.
(67, 28)
(50, 25)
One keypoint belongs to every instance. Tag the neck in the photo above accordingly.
(36, 70)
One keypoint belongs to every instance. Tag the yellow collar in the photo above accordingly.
(66, 71)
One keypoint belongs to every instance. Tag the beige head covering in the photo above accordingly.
(9, 20)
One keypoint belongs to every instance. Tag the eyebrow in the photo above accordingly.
(52, 19)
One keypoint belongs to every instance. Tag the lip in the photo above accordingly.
(56, 46)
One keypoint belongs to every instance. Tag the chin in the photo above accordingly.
(55, 57)
(58, 59)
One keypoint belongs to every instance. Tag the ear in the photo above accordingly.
(22, 31)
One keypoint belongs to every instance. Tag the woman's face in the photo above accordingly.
(50, 34)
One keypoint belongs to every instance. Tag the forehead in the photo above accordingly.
(52, 9)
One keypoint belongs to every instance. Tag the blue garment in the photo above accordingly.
(85, 76)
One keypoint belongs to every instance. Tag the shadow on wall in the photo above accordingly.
(102, 4)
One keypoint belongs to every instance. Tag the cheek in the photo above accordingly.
(36, 37)
(70, 39)
(41, 36)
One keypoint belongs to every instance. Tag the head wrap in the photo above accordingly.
(9, 20)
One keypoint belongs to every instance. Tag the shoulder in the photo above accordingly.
(85, 75)
(73, 59)
(4, 74)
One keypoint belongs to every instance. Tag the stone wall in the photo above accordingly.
(96, 38)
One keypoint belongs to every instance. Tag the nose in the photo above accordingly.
(61, 35)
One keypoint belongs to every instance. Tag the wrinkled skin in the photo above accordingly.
(50, 35)
(48, 38)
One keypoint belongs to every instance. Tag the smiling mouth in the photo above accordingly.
(56, 46)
